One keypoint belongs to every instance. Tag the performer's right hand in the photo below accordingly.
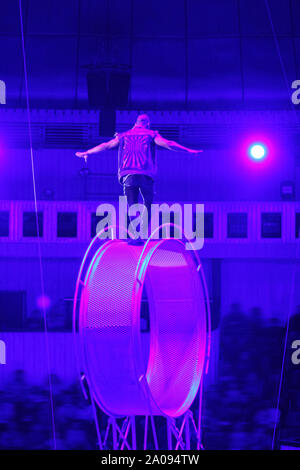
(82, 155)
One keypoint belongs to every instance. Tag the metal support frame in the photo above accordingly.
(120, 433)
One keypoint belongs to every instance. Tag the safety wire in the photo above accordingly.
(293, 280)
(37, 227)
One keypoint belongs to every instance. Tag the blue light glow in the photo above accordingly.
(257, 151)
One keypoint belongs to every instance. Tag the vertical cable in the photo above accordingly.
(37, 227)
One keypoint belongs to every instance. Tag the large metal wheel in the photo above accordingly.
(155, 368)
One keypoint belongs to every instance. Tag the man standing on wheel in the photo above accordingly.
(137, 164)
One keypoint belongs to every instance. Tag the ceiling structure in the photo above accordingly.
(182, 54)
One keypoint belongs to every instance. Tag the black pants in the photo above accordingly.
(133, 185)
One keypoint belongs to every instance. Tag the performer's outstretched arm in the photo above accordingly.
(99, 148)
(171, 145)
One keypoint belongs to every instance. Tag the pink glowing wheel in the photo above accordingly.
(141, 324)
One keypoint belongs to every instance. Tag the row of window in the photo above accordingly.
(32, 226)
(237, 224)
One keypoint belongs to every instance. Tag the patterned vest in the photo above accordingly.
(137, 152)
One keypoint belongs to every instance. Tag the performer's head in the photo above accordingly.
(143, 120)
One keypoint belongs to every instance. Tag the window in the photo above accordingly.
(95, 219)
(297, 225)
(271, 225)
(237, 225)
(67, 224)
(4, 223)
(208, 225)
(30, 224)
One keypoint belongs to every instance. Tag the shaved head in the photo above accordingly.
(143, 120)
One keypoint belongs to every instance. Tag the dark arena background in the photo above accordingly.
(136, 344)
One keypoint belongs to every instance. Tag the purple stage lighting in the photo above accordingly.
(43, 302)
(257, 151)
